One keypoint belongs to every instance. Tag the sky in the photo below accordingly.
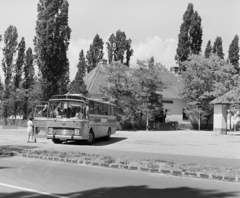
(152, 25)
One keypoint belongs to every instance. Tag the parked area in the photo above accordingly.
(181, 142)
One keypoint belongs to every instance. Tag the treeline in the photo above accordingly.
(207, 75)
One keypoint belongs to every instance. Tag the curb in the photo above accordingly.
(177, 173)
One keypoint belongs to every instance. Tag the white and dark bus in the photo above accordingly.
(71, 117)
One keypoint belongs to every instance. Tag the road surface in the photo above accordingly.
(24, 177)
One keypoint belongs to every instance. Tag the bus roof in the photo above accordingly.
(78, 97)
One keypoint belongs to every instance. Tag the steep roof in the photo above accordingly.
(97, 76)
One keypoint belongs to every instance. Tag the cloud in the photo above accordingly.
(162, 50)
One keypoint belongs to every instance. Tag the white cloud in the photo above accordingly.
(162, 50)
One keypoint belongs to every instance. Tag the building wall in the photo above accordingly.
(175, 109)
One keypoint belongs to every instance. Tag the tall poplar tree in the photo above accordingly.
(208, 49)
(217, 47)
(183, 48)
(95, 53)
(28, 80)
(119, 48)
(233, 53)
(9, 50)
(190, 36)
(19, 63)
(51, 45)
(16, 93)
(78, 85)
(195, 34)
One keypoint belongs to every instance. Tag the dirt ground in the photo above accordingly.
(181, 142)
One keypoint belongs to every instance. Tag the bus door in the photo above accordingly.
(40, 120)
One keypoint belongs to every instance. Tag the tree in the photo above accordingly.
(17, 79)
(204, 80)
(217, 47)
(233, 53)
(208, 49)
(190, 36)
(28, 80)
(195, 34)
(95, 53)
(19, 64)
(118, 46)
(78, 85)
(133, 91)
(9, 50)
(183, 49)
(51, 45)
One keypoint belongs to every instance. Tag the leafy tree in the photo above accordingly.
(78, 85)
(233, 53)
(118, 90)
(9, 50)
(208, 49)
(190, 36)
(133, 91)
(51, 45)
(152, 64)
(217, 47)
(95, 53)
(118, 46)
(204, 80)
(28, 80)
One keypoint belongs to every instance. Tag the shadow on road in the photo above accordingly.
(98, 141)
(133, 191)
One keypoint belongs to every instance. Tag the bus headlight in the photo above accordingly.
(50, 130)
(76, 132)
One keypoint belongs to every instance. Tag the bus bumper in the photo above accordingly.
(65, 137)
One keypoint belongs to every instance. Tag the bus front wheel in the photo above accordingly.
(57, 141)
(91, 138)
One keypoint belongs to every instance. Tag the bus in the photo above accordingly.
(74, 117)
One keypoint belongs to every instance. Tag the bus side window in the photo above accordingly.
(105, 109)
(96, 105)
(101, 109)
(109, 109)
(91, 107)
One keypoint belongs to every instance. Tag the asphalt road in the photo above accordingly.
(24, 177)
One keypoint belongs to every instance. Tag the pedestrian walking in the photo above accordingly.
(30, 129)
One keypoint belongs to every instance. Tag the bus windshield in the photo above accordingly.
(66, 109)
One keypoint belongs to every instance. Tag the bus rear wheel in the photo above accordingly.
(91, 138)
(57, 141)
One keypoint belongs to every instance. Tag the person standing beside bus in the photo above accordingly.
(30, 129)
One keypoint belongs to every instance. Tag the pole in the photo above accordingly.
(147, 122)
(199, 120)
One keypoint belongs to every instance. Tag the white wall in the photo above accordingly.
(176, 108)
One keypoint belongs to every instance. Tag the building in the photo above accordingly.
(172, 84)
